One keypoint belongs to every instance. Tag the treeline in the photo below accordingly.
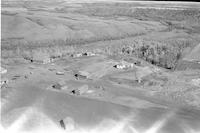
(164, 56)
(157, 53)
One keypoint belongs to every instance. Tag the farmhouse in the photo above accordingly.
(124, 65)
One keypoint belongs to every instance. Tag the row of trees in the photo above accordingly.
(162, 55)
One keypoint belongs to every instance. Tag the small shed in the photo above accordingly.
(81, 75)
(76, 55)
(81, 90)
(88, 54)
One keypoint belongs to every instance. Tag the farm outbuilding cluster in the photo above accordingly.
(83, 54)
